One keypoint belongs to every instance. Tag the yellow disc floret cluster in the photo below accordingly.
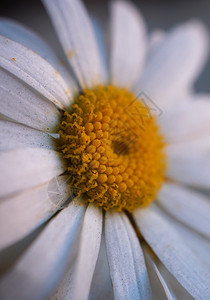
(113, 147)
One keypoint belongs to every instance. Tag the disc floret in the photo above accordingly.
(113, 160)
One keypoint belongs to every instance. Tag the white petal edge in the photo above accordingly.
(25, 168)
(28, 66)
(4, 118)
(196, 242)
(176, 62)
(41, 266)
(128, 43)
(21, 103)
(75, 32)
(161, 290)
(187, 206)
(25, 212)
(25, 36)
(101, 286)
(179, 290)
(101, 38)
(189, 163)
(171, 249)
(14, 136)
(90, 240)
(126, 260)
(84, 264)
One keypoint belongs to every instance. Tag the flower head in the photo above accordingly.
(112, 161)
(87, 134)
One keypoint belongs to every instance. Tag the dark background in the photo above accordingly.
(158, 14)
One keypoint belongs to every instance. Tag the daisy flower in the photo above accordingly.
(103, 169)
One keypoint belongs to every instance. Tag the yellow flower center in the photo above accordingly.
(114, 150)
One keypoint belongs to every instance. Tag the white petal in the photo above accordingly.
(13, 136)
(160, 288)
(155, 39)
(101, 38)
(173, 252)
(126, 260)
(25, 105)
(75, 32)
(190, 165)
(65, 285)
(25, 168)
(179, 291)
(186, 119)
(196, 242)
(23, 213)
(25, 36)
(10, 255)
(189, 207)
(101, 287)
(42, 264)
(128, 43)
(176, 62)
(84, 264)
(28, 66)
(88, 252)
(4, 118)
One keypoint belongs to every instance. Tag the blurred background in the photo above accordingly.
(161, 14)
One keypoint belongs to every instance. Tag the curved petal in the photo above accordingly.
(189, 163)
(176, 62)
(31, 68)
(10, 255)
(196, 242)
(84, 264)
(41, 266)
(101, 286)
(23, 213)
(100, 35)
(75, 32)
(14, 136)
(128, 43)
(179, 290)
(173, 252)
(88, 252)
(161, 290)
(126, 260)
(189, 207)
(25, 168)
(24, 105)
(25, 36)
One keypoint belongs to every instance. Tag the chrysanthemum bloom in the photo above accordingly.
(84, 155)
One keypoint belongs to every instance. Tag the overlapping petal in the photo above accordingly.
(187, 206)
(25, 36)
(14, 136)
(128, 44)
(25, 168)
(75, 32)
(176, 62)
(174, 253)
(36, 273)
(25, 212)
(126, 260)
(26, 65)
